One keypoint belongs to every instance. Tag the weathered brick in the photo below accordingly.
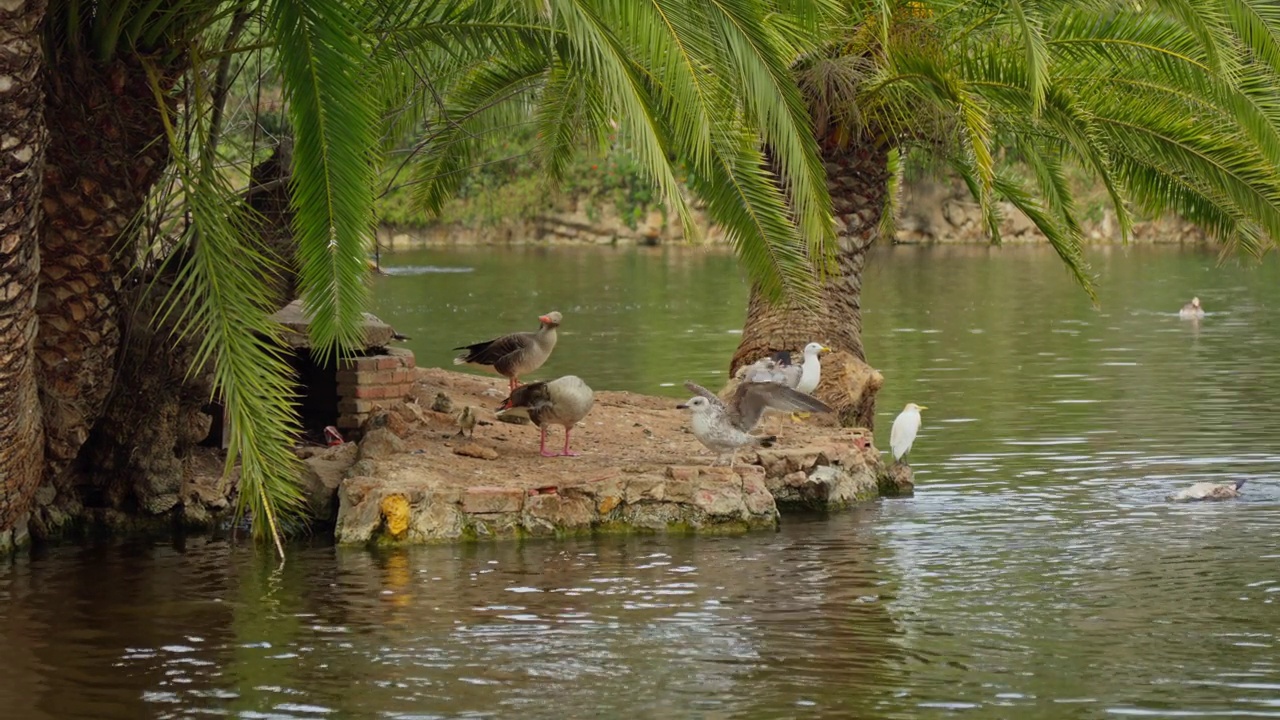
(372, 392)
(386, 362)
(482, 499)
(347, 377)
(355, 406)
(359, 363)
(405, 355)
(376, 377)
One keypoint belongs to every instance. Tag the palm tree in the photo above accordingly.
(21, 120)
(702, 82)
(1171, 105)
(138, 93)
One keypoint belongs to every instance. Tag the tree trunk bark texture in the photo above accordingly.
(857, 178)
(106, 151)
(22, 147)
(139, 459)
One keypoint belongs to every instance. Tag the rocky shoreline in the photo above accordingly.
(410, 479)
(931, 213)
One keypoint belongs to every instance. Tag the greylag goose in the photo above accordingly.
(515, 354)
(1192, 310)
(905, 427)
(1208, 491)
(725, 427)
(563, 401)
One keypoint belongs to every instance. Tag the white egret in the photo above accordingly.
(905, 427)
(1192, 310)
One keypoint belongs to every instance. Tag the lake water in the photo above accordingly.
(1038, 572)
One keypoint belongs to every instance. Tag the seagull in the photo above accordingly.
(563, 401)
(725, 427)
(515, 354)
(1192, 310)
(810, 372)
(905, 427)
(1208, 491)
(778, 368)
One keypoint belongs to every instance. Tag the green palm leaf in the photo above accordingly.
(333, 172)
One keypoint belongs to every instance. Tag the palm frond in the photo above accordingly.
(333, 116)
(1036, 54)
(596, 49)
(1066, 240)
(491, 97)
(896, 167)
(774, 105)
(219, 297)
(1257, 23)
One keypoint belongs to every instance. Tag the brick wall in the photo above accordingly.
(373, 380)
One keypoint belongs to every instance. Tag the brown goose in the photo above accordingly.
(563, 401)
(515, 354)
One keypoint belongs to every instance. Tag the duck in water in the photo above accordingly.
(1192, 310)
(1208, 491)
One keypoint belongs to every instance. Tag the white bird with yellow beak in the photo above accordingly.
(905, 427)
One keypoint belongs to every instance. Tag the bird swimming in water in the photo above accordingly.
(515, 354)
(725, 427)
(905, 427)
(1208, 491)
(1192, 310)
(563, 401)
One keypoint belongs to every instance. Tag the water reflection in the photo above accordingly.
(1039, 571)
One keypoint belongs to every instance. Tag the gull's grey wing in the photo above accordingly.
(752, 399)
(697, 389)
(768, 370)
(791, 375)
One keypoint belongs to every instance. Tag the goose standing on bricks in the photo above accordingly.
(515, 354)
(725, 427)
(905, 427)
(563, 401)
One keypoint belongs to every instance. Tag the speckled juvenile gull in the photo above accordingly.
(725, 427)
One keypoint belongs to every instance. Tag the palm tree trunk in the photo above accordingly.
(857, 178)
(21, 162)
(107, 151)
(137, 457)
